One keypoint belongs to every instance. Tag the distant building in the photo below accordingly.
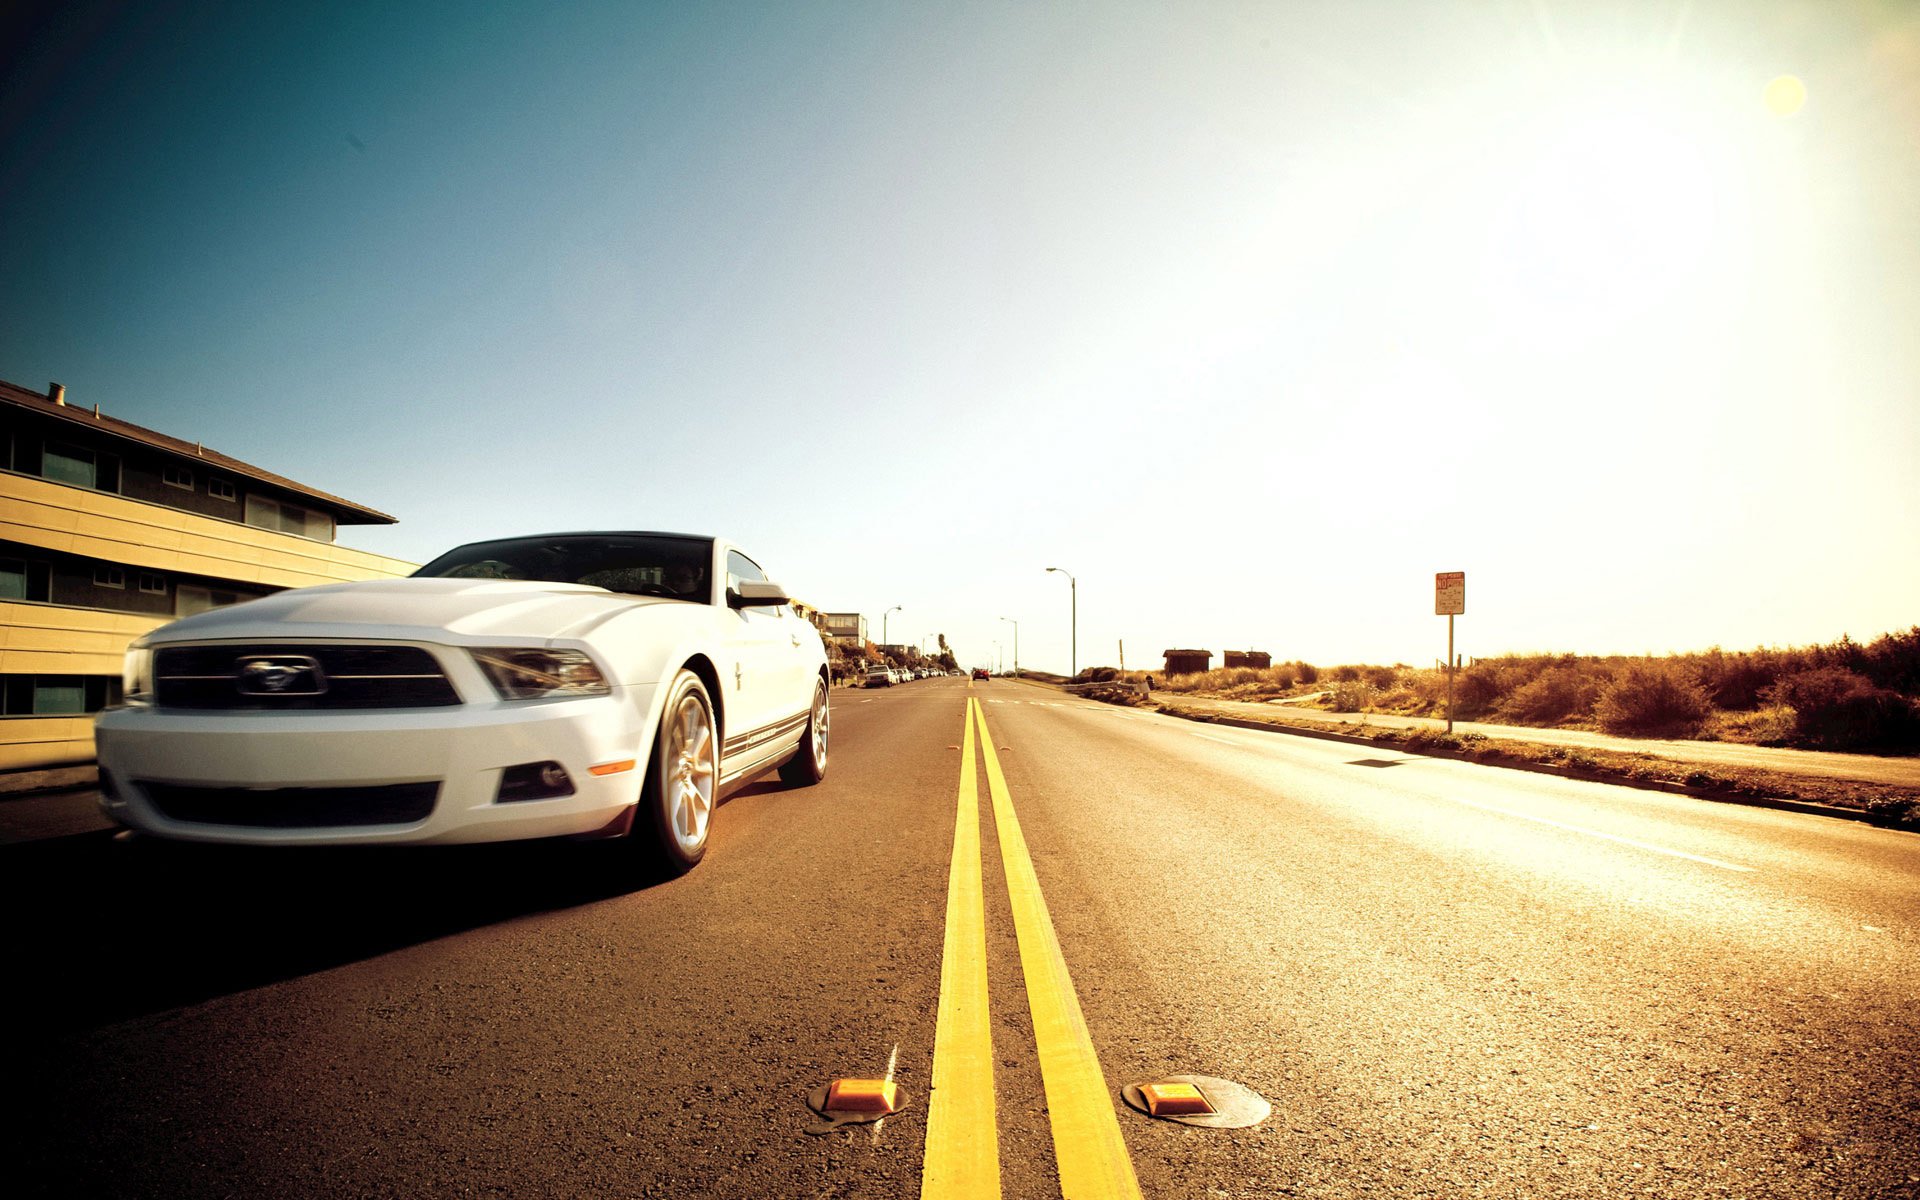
(1187, 662)
(108, 530)
(846, 627)
(1259, 659)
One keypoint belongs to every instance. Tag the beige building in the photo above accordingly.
(108, 530)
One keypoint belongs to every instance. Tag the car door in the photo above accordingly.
(757, 681)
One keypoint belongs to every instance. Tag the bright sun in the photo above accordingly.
(1785, 96)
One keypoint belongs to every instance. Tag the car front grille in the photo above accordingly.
(294, 807)
(340, 677)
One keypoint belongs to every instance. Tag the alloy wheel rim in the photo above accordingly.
(820, 720)
(690, 774)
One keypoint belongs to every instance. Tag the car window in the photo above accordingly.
(741, 569)
(636, 564)
(486, 568)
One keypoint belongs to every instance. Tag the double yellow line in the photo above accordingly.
(963, 1152)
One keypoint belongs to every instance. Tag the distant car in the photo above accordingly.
(579, 684)
(982, 673)
(879, 677)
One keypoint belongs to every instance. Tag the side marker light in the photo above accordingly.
(612, 768)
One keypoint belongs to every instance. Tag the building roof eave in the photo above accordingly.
(346, 512)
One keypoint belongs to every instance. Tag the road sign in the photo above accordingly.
(1450, 594)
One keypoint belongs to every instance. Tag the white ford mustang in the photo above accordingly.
(584, 684)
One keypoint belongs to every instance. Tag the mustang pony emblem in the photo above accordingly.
(280, 675)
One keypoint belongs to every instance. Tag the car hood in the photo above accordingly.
(417, 609)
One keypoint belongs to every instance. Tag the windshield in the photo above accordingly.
(637, 564)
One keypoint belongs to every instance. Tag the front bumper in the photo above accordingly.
(461, 752)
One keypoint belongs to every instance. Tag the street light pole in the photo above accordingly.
(883, 624)
(1016, 644)
(1073, 587)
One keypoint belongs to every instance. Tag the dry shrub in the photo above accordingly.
(1840, 710)
(1351, 696)
(1653, 699)
(1562, 693)
(1475, 690)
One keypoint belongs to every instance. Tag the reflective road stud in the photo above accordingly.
(1174, 1099)
(1206, 1101)
(863, 1096)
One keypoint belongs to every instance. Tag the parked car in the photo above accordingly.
(583, 684)
(879, 677)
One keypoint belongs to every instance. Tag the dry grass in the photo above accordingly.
(1867, 694)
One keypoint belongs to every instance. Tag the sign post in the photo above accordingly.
(1450, 601)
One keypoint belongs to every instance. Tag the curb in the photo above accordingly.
(1717, 795)
(35, 781)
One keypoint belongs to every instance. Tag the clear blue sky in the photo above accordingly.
(1253, 316)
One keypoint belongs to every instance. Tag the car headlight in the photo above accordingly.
(136, 675)
(518, 673)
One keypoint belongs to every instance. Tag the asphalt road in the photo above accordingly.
(1448, 981)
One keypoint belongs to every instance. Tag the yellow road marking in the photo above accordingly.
(1087, 1144)
(963, 1150)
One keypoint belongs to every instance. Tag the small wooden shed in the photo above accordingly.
(1259, 659)
(1187, 662)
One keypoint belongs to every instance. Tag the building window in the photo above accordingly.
(220, 489)
(79, 466)
(153, 585)
(109, 577)
(24, 580)
(59, 695)
(289, 518)
(56, 695)
(178, 477)
(68, 464)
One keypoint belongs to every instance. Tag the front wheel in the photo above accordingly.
(809, 762)
(683, 777)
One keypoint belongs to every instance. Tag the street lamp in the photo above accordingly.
(883, 624)
(1073, 588)
(1016, 644)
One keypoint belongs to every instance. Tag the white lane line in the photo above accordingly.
(1611, 837)
(1215, 738)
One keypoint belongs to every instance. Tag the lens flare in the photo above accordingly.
(1785, 96)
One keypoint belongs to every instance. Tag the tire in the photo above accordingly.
(683, 778)
(808, 765)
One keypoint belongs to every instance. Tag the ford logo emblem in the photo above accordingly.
(280, 675)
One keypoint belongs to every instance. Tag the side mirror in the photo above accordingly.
(756, 593)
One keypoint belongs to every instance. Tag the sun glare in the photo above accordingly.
(1785, 96)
